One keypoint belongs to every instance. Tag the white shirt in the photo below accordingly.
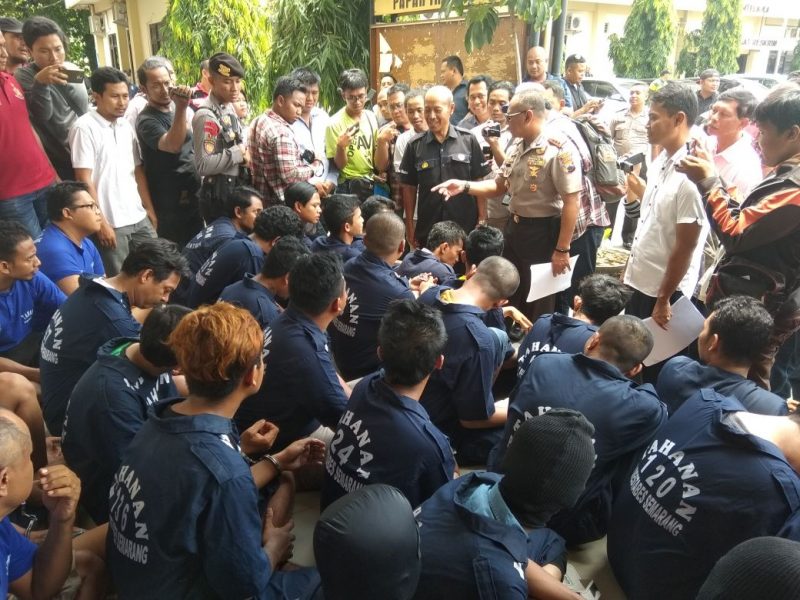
(313, 138)
(400, 145)
(669, 199)
(111, 151)
(739, 164)
(505, 142)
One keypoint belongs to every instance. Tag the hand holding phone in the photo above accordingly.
(73, 75)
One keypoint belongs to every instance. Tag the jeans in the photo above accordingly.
(113, 257)
(785, 375)
(29, 209)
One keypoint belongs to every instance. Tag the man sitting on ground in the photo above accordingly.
(113, 399)
(302, 393)
(597, 384)
(385, 436)
(599, 298)
(734, 335)
(342, 217)
(29, 299)
(258, 294)
(485, 535)
(195, 531)
(64, 247)
(441, 253)
(100, 310)
(459, 397)
(240, 256)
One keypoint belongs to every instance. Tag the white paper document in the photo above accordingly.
(684, 327)
(543, 283)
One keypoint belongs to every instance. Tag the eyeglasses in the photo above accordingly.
(91, 205)
(359, 98)
(396, 106)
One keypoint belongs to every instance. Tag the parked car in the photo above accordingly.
(614, 92)
(768, 80)
(728, 82)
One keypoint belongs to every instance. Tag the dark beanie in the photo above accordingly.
(765, 567)
(547, 465)
(366, 545)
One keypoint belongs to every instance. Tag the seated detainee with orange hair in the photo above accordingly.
(189, 526)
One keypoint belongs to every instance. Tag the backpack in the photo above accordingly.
(604, 157)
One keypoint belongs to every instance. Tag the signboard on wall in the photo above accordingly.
(405, 7)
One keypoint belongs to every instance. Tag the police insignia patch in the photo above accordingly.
(224, 70)
(210, 128)
(208, 145)
(539, 150)
(565, 158)
(424, 165)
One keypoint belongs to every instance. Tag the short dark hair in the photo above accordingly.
(278, 221)
(781, 108)
(485, 79)
(353, 79)
(745, 101)
(503, 85)
(150, 64)
(448, 232)
(497, 277)
(574, 59)
(454, 62)
(743, 325)
(375, 204)
(240, 197)
(626, 341)
(306, 76)
(411, 338)
(482, 242)
(555, 87)
(283, 256)
(103, 76)
(602, 297)
(414, 93)
(398, 88)
(676, 97)
(382, 75)
(383, 233)
(60, 196)
(300, 191)
(11, 234)
(158, 254)
(36, 27)
(315, 282)
(339, 210)
(156, 329)
(286, 86)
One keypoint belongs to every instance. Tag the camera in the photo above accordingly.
(627, 163)
(308, 156)
(491, 131)
(179, 91)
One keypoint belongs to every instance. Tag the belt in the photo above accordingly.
(518, 219)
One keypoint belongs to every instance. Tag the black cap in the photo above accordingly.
(225, 65)
(575, 59)
(10, 25)
(708, 73)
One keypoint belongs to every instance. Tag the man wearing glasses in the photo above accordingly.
(350, 138)
(543, 176)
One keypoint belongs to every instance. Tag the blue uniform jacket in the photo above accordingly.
(702, 486)
(300, 388)
(61, 257)
(331, 243)
(17, 554)
(253, 297)
(235, 259)
(553, 333)
(423, 260)
(25, 307)
(202, 246)
(91, 316)
(467, 554)
(681, 377)
(625, 417)
(106, 409)
(371, 286)
(491, 318)
(383, 437)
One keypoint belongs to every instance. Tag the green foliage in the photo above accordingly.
(794, 65)
(75, 24)
(326, 36)
(720, 36)
(483, 16)
(687, 58)
(196, 29)
(646, 44)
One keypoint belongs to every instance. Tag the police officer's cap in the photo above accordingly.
(10, 25)
(575, 59)
(225, 65)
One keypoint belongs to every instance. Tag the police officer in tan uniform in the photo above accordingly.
(220, 152)
(542, 175)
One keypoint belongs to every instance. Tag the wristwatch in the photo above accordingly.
(466, 187)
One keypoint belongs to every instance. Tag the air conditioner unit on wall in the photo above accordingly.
(572, 23)
(97, 25)
(119, 13)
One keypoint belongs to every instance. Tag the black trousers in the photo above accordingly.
(641, 305)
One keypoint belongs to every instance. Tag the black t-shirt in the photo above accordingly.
(167, 173)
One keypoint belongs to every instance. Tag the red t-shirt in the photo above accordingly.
(24, 167)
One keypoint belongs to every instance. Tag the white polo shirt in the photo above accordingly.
(313, 138)
(111, 151)
(669, 199)
(739, 164)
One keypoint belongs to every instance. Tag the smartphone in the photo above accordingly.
(73, 75)
(353, 129)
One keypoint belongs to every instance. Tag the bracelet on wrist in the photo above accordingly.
(562, 250)
(274, 461)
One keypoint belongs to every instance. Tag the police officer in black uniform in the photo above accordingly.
(220, 152)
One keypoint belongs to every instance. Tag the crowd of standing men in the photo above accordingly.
(347, 290)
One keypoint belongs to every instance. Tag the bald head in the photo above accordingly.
(536, 64)
(497, 278)
(384, 233)
(439, 93)
(15, 441)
